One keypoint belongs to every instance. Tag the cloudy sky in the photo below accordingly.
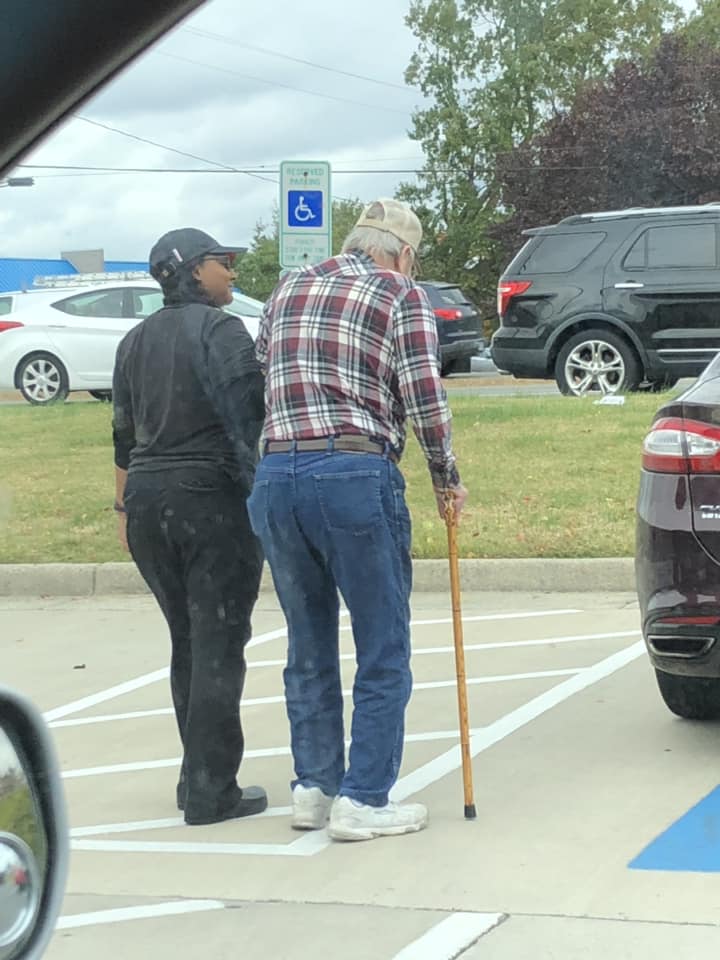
(207, 90)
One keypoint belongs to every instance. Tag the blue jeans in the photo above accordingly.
(329, 522)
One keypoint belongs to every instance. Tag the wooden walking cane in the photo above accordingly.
(451, 524)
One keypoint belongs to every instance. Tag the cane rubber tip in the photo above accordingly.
(470, 812)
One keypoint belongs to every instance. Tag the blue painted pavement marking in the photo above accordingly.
(691, 844)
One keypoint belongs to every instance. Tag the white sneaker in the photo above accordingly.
(311, 808)
(351, 820)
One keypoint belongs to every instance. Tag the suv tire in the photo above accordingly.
(616, 366)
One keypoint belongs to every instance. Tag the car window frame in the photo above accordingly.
(542, 238)
(644, 234)
(137, 291)
(126, 303)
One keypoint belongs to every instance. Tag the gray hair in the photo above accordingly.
(374, 242)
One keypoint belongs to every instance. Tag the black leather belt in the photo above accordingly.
(345, 443)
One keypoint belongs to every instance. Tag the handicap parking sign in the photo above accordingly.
(305, 208)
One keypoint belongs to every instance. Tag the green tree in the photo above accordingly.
(704, 24)
(345, 216)
(644, 136)
(493, 72)
(258, 270)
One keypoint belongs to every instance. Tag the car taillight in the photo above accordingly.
(9, 325)
(507, 289)
(675, 445)
(443, 314)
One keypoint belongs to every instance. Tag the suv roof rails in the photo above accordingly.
(640, 212)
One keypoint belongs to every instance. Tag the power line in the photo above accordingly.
(276, 83)
(236, 170)
(162, 146)
(208, 34)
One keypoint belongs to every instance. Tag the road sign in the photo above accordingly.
(305, 212)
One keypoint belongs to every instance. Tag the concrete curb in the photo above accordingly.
(591, 575)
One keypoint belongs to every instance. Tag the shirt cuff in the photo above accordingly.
(444, 475)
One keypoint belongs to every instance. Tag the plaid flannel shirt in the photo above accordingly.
(350, 347)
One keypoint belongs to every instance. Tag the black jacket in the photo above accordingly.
(187, 390)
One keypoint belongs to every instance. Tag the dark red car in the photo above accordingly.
(677, 557)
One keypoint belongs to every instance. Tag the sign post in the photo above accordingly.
(305, 213)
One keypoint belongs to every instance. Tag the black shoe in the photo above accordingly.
(251, 801)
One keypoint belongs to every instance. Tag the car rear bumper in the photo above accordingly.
(676, 580)
(520, 361)
(461, 349)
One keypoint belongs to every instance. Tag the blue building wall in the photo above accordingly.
(17, 273)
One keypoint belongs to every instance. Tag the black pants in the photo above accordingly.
(189, 534)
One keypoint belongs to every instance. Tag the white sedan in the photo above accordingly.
(55, 341)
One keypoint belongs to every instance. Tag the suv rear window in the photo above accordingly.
(560, 252)
(5, 306)
(450, 294)
(685, 246)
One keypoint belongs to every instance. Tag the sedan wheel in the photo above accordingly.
(42, 379)
(596, 361)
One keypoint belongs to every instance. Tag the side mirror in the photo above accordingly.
(33, 831)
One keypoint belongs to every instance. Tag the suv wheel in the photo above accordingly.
(693, 698)
(596, 360)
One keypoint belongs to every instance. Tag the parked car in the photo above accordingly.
(677, 557)
(612, 301)
(62, 339)
(458, 323)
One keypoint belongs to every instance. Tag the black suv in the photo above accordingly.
(612, 301)
(458, 324)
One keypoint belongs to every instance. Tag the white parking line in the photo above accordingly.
(449, 761)
(487, 737)
(165, 846)
(129, 686)
(451, 937)
(480, 647)
(137, 683)
(140, 765)
(107, 829)
(426, 775)
(531, 615)
(119, 915)
(279, 698)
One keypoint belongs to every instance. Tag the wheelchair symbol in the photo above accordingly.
(303, 213)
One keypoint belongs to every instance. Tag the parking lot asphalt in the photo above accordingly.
(589, 840)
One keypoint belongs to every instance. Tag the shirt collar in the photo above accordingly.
(363, 258)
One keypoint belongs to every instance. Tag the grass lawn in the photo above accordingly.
(548, 477)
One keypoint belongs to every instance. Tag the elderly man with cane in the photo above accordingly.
(350, 351)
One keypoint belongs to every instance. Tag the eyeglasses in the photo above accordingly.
(225, 260)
